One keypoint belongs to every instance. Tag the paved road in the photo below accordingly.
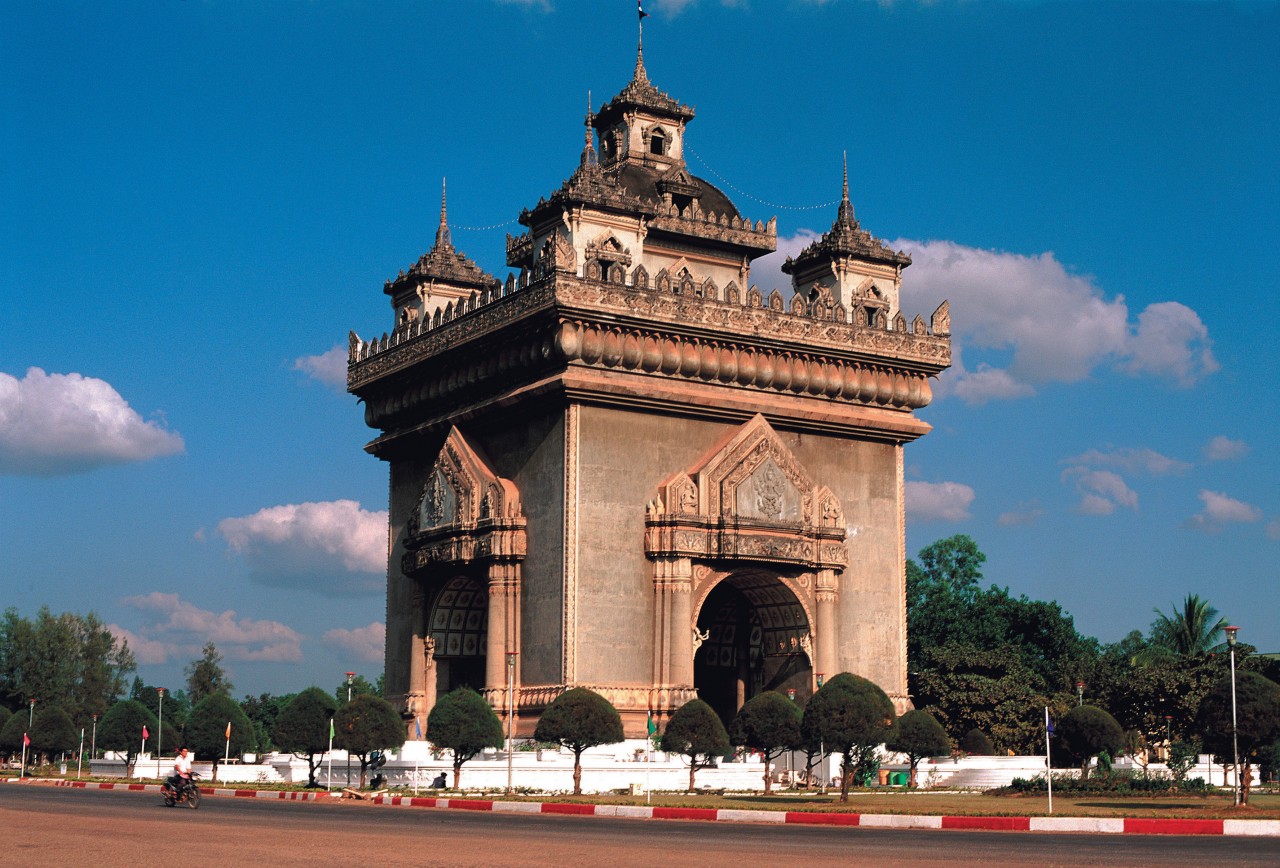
(42, 825)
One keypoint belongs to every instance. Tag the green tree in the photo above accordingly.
(5, 714)
(579, 719)
(1257, 720)
(206, 734)
(1085, 732)
(462, 722)
(366, 724)
(263, 711)
(70, 661)
(769, 723)
(918, 735)
(1194, 629)
(120, 729)
(695, 730)
(11, 734)
(302, 728)
(851, 716)
(52, 732)
(206, 677)
(360, 686)
(976, 743)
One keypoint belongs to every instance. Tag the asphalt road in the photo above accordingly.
(41, 825)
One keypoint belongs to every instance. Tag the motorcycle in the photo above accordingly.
(188, 794)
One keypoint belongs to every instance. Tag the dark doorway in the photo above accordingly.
(459, 624)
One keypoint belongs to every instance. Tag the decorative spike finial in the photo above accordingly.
(640, 74)
(589, 150)
(443, 241)
(846, 207)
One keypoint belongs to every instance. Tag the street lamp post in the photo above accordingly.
(1079, 693)
(350, 676)
(1231, 632)
(160, 731)
(31, 714)
(93, 744)
(511, 714)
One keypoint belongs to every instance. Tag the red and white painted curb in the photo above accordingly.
(1094, 825)
(1104, 825)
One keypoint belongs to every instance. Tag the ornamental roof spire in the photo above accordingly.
(443, 241)
(846, 207)
(640, 74)
(589, 150)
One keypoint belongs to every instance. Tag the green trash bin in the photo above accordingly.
(897, 779)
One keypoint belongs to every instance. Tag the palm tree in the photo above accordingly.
(1193, 630)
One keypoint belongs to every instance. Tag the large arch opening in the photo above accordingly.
(459, 625)
(754, 637)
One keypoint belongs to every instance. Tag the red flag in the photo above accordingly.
(145, 735)
(228, 729)
(26, 742)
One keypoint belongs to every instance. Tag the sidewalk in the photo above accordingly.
(1092, 825)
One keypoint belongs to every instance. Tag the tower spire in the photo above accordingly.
(846, 207)
(640, 74)
(589, 150)
(443, 241)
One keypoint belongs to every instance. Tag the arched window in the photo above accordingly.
(658, 142)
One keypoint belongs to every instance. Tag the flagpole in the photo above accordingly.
(80, 755)
(329, 781)
(26, 740)
(226, 757)
(1048, 761)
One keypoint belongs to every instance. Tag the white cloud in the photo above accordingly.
(367, 644)
(57, 424)
(1101, 491)
(329, 367)
(1141, 460)
(177, 630)
(1028, 321)
(1171, 341)
(938, 501)
(334, 547)
(1025, 514)
(1222, 448)
(1220, 510)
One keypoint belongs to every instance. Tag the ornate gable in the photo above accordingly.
(466, 511)
(748, 498)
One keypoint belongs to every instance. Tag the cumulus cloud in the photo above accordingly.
(176, 629)
(329, 367)
(366, 643)
(1101, 491)
(1219, 511)
(333, 547)
(1140, 460)
(58, 424)
(1222, 448)
(938, 501)
(1024, 515)
(1025, 321)
(1170, 341)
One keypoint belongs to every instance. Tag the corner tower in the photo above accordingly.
(625, 467)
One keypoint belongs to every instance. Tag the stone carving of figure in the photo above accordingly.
(769, 490)
(688, 499)
(699, 638)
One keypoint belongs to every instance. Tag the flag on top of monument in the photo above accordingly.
(640, 9)
(145, 735)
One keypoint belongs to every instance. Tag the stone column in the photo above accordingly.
(504, 627)
(672, 627)
(827, 630)
(416, 699)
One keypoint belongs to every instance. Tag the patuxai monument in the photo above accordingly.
(626, 467)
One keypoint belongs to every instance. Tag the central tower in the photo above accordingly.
(627, 468)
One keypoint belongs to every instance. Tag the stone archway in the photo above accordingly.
(752, 635)
(747, 518)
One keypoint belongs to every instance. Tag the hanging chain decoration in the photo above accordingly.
(723, 180)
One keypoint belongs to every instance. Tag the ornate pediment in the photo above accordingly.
(465, 511)
(749, 498)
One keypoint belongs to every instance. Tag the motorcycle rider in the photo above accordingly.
(181, 778)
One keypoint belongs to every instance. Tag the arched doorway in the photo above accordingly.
(459, 625)
(754, 636)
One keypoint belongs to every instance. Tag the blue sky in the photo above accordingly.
(199, 199)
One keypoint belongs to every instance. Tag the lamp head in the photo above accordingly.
(1231, 632)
